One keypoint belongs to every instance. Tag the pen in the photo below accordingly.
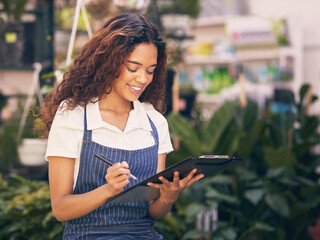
(106, 160)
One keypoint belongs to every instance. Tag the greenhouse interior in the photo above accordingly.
(242, 81)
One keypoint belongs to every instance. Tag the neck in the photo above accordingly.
(115, 105)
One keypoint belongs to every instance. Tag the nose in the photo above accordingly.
(142, 77)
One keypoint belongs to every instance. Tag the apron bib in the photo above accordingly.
(113, 220)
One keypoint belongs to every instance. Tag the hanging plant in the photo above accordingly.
(13, 9)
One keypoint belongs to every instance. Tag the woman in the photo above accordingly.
(108, 103)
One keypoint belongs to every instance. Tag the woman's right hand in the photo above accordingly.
(117, 177)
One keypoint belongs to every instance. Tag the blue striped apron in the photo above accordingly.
(116, 221)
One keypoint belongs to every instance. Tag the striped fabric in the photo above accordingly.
(112, 221)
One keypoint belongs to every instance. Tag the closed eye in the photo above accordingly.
(151, 73)
(131, 70)
(153, 68)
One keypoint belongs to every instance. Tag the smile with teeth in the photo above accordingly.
(135, 88)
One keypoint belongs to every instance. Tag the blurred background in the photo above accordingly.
(243, 79)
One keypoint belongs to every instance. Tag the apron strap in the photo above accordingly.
(87, 135)
(154, 131)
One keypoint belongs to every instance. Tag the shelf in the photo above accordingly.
(215, 60)
(242, 57)
(252, 90)
(212, 21)
(253, 54)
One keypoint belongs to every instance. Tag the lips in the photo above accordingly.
(136, 89)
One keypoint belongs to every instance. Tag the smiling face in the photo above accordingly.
(137, 73)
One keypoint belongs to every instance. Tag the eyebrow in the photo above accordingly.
(137, 63)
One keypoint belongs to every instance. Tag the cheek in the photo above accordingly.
(150, 79)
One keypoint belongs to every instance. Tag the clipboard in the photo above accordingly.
(209, 165)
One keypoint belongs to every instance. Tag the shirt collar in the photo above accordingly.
(138, 118)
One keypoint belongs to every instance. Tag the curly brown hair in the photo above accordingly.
(99, 64)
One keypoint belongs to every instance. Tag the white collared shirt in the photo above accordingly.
(65, 137)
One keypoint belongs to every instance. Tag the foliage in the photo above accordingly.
(14, 9)
(8, 146)
(189, 7)
(8, 134)
(273, 194)
(175, 56)
(64, 18)
(187, 89)
(25, 210)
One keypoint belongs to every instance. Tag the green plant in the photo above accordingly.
(8, 135)
(63, 18)
(273, 194)
(25, 210)
(8, 145)
(187, 89)
(189, 7)
(14, 9)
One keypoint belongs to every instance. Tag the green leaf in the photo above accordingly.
(217, 125)
(227, 233)
(302, 92)
(254, 195)
(212, 193)
(275, 172)
(246, 174)
(19, 9)
(246, 117)
(220, 179)
(281, 157)
(263, 227)
(170, 220)
(181, 128)
(193, 234)
(314, 98)
(193, 209)
(248, 142)
(305, 181)
(278, 204)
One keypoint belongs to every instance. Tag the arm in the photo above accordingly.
(66, 205)
(169, 191)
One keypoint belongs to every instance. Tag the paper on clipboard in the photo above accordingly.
(209, 165)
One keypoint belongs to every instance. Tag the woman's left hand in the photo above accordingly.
(169, 191)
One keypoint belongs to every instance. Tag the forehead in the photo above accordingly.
(144, 53)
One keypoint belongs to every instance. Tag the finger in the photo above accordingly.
(125, 164)
(118, 179)
(176, 177)
(123, 182)
(155, 185)
(114, 167)
(164, 180)
(190, 175)
(118, 172)
(194, 179)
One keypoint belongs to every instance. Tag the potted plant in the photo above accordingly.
(11, 32)
(32, 147)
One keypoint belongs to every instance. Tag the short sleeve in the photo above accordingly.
(165, 145)
(65, 136)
